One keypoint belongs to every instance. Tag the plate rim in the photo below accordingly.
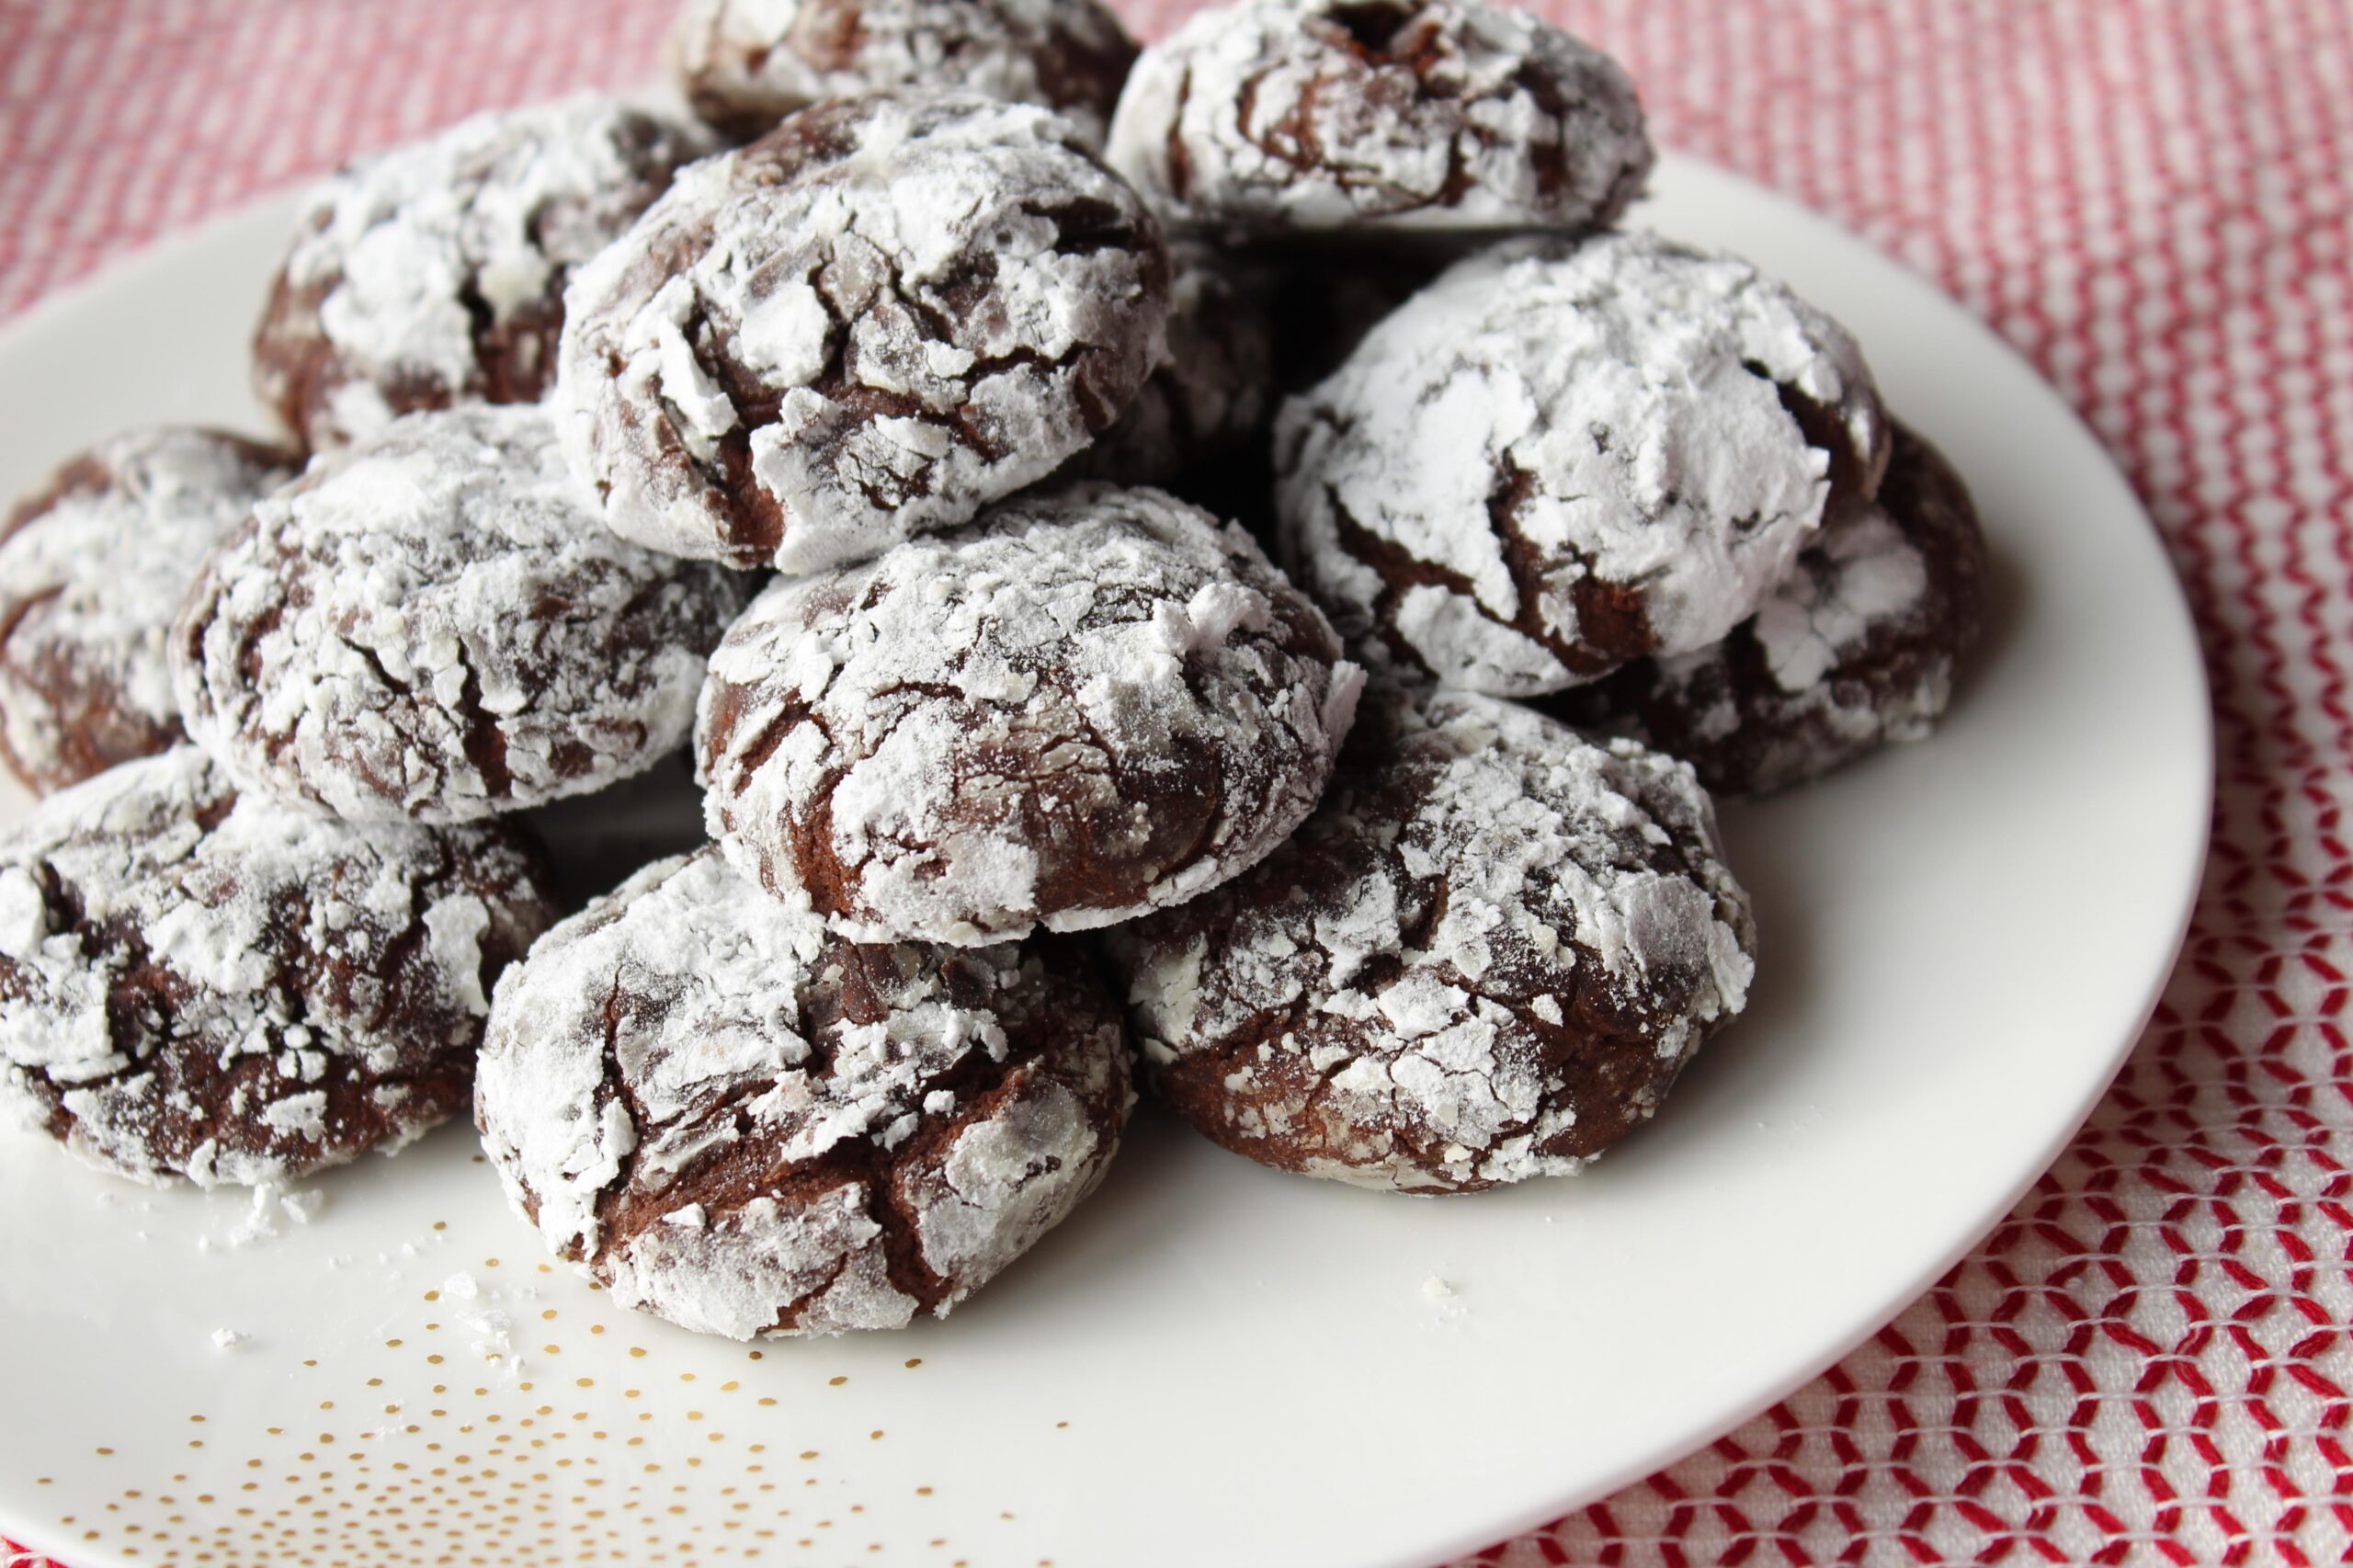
(2184, 877)
(2189, 877)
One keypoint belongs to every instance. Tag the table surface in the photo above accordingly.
(2150, 1358)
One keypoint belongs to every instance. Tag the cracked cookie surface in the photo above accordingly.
(1275, 117)
(1485, 958)
(203, 983)
(434, 273)
(1565, 455)
(433, 625)
(93, 568)
(1092, 703)
(747, 1125)
(745, 64)
(1857, 646)
(886, 312)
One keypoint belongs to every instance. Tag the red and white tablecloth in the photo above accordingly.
(2150, 1361)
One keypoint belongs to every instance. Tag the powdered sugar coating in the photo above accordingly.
(434, 273)
(745, 64)
(1093, 703)
(1484, 959)
(746, 1125)
(1213, 392)
(1270, 117)
(433, 625)
(93, 567)
(1564, 455)
(884, 314)
(201, 984)
(1857, 646)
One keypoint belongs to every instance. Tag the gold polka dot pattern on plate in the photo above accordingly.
(509, 1466)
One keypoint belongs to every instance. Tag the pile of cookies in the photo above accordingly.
(761, 670)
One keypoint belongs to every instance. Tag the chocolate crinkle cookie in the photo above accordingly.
(1275, 117)
(203, 983)
(1212, 395)
(1485, 958)
(434, 274)
(433, 625)
(1563, 456)
(1094, 703)
(93, 568)
(745, 64)
(884, 314)
(747, 1125)
(1855, 648)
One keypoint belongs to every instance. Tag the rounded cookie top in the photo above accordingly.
(1213, 394)
(433, 625)
(1275, 117)
(434, 273)
(1564, 455)
(1094, 702)
(198, 983)
(1484, 959)
(1855, 648)
(93, 568)
(884, 313)
(746, 1125)
(745, 64)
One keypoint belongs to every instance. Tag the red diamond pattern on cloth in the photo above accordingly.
(2150, 1361)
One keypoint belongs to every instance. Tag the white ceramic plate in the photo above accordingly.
(1211, 1363)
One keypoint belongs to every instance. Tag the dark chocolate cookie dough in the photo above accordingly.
(1857, 646)
(1484, 958)
(1378, 119)
(1564, 455)
(1092, 703)
(93, 568)
(203, 983)
(747, 1125)
(745, 64)
(434, 274)
(433, 625)
(882, 315)
(1211, 401)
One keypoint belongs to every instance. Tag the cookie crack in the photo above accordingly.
(616, 1086)
(1612, 625)
(484, 740)
(1820, 424)
(1178, 154)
